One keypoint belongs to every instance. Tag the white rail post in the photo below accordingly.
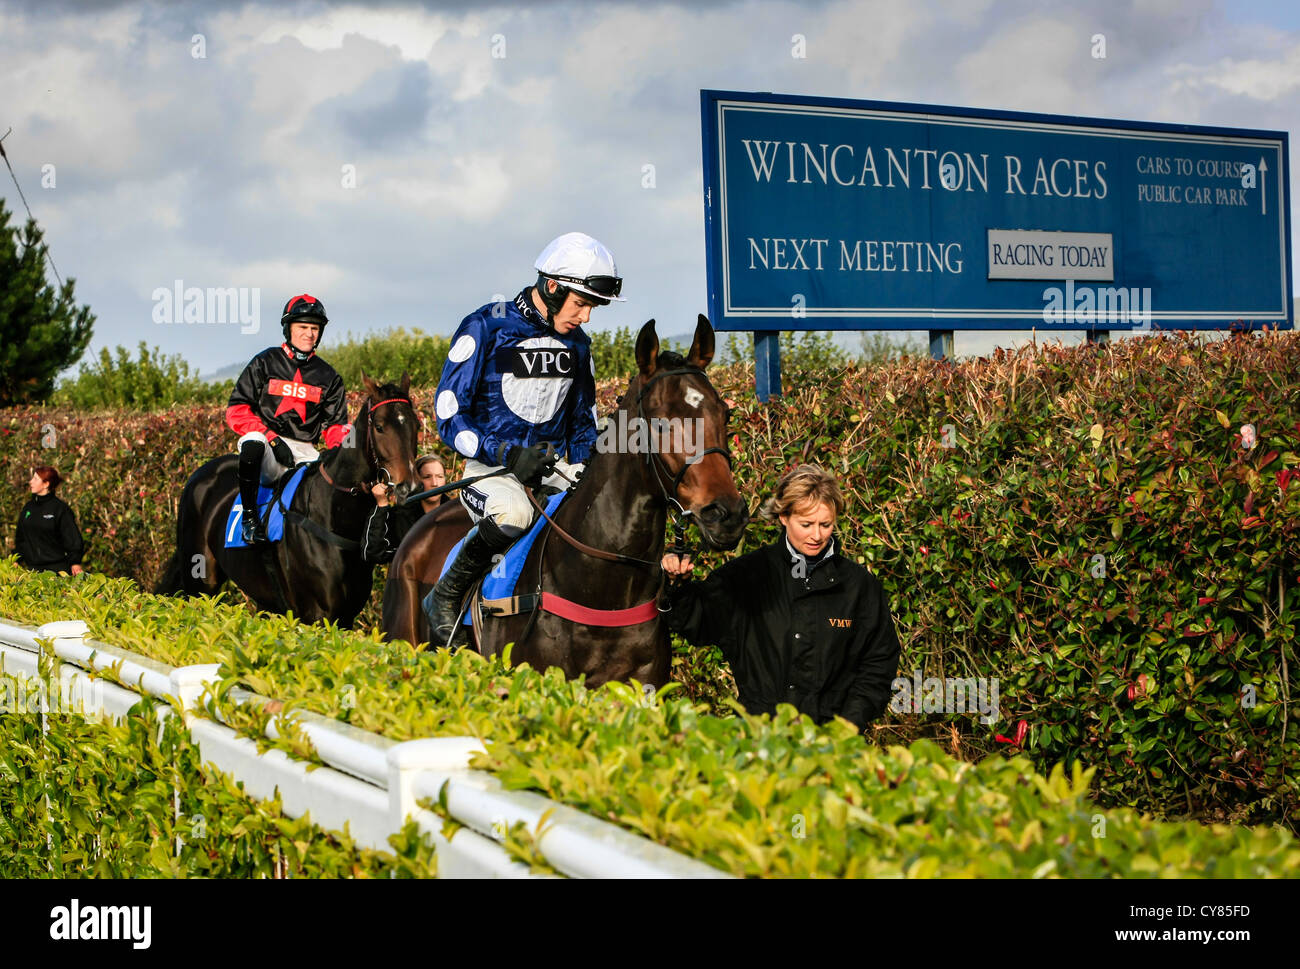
(68, 632)
(188, 683)
(409, 760)
(73, 630)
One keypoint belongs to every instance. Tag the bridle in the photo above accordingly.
(681, 516)
(653, 608)
(382, 476)
(658, 468)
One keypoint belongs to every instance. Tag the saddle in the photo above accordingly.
(494, 594)
(272, 505)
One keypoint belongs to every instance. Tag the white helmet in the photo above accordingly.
(577, 261)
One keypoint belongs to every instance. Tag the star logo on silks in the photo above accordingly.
(294, 395)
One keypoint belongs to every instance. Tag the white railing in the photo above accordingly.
(371, 783)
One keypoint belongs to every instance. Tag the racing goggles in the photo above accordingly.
(606, 286)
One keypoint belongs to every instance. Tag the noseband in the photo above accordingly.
(656, 463)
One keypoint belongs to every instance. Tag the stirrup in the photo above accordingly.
(459, 637)
(253, 531)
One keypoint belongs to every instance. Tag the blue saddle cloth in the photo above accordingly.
(274, 520)
(500, 581)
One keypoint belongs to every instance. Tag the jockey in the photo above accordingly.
(286, 399)
(518, 389)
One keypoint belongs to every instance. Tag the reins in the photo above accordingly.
(652, 454)
(583, 547)
(315, 527)
(543, 601)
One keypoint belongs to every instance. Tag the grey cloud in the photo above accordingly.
(52, 8)
(387, 111)
(203, 199)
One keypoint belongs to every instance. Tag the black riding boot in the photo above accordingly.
(443, 603)
(250, 475)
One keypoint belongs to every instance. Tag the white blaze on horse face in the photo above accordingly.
(693, 397)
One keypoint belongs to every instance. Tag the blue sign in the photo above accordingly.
(829, 214)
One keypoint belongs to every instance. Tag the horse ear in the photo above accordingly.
(406, 383)
(647, 349)
(371, 387)
(702, 349)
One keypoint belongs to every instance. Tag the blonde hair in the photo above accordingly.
(803, 484)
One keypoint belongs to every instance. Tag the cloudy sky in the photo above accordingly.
(479, 131)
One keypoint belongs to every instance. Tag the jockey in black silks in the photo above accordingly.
(518, 390)
(286, 400)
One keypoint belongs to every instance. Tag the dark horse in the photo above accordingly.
(620, 505)
(316, 572)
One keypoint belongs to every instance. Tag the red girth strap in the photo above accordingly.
(559, 606)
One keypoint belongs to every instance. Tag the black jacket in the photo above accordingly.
(47, 536)
(824, 643)
(385, 529)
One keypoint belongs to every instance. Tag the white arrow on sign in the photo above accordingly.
(1263, 186)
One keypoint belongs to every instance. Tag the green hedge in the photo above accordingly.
(755, 796)
(982, 495)
(132, 799)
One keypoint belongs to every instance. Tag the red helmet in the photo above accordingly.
(303, 309)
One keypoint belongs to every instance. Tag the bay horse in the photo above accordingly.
(316, 571)
(620, 505)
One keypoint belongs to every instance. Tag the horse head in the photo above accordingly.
(391, 429)
(686, 425)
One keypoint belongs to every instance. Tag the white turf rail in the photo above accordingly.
(371, 785)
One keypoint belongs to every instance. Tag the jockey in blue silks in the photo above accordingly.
(517, 391)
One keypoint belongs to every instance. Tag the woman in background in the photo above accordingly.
(432, 474)
(388, 523)
(47, 538)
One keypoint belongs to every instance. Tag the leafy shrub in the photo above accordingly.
(1131, 451)
(755, 796)
(134, 799)
(875, 348)
(387, 355)
(149, 382)
(614, 352)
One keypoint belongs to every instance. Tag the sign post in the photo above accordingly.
(830, 214)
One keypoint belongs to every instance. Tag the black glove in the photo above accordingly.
(282, 453)
(529, 464)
